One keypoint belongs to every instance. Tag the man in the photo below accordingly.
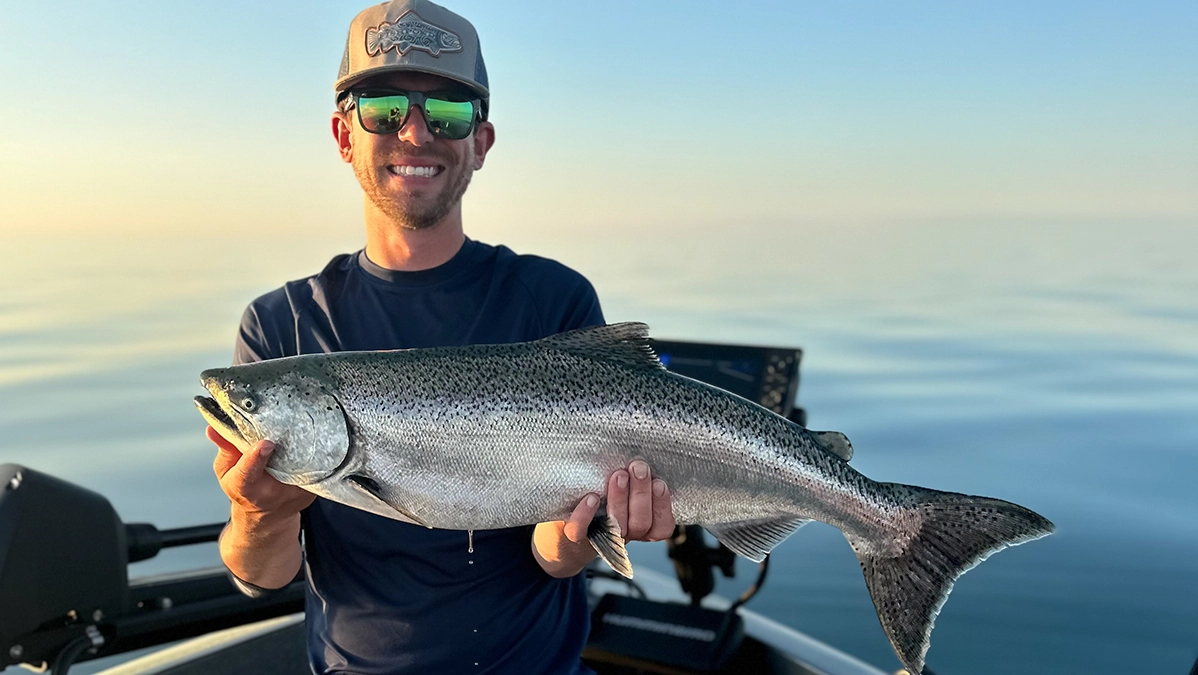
(385, 596)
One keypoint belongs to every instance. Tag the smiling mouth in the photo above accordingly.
(408, 170)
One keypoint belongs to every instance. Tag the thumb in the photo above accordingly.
(253, 463)
(576, 527)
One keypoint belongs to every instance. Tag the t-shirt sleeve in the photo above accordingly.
(267, 329)
(565, 300)
(250, 346)
(582, 310)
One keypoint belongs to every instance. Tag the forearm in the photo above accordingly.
(556, 554)
(262, 549)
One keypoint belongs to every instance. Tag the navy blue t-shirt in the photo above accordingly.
(390, 597)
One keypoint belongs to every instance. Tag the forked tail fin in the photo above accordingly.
(955, 533)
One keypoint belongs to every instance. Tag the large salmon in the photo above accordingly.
(493, 436)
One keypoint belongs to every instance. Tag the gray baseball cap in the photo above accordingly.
(413, 35)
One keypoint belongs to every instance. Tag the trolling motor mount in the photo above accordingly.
(694, 560)
(62, 564)
(64, 582)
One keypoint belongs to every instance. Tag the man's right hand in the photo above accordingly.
(261, 542)
(250, 489)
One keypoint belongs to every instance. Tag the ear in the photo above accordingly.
(342, 128)
(484, 138)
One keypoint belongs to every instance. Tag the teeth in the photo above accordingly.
(406, 170)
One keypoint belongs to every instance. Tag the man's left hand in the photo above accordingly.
(641, 504)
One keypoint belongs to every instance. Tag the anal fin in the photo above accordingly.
(604, 534)
(754, 539)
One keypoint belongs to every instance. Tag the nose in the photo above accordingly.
(211, 378)
(415, 129)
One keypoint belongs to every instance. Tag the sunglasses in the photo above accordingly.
(446, 115)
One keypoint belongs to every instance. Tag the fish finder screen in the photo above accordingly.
(765, 375)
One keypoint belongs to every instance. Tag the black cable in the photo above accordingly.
(73, 650)
(604, 574)
(752, 590)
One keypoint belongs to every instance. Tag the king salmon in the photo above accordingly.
(494, 436)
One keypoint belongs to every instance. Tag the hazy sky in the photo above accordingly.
(176, 117)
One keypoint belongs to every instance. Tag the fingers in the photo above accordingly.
(254, 463)
(617, 499)
(663, 512)
(580, 519)
(640, 500)
(244, 470)
(642, 505)
(220, 441)
(227, 454)
(244, 480)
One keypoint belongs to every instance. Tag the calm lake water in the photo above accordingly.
(1050, 364)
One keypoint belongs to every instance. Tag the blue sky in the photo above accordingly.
(151, 116)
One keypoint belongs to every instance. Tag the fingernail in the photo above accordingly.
(267, 448)
(622, 480)
(659, 487)
(640, 470)
(592, 501)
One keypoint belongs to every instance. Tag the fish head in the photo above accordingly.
(285, 403)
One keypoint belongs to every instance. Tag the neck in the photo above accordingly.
(398, 248)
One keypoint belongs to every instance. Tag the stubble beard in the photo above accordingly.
(412, 213)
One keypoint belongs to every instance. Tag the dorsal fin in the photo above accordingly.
(834, 442)
(624, 343)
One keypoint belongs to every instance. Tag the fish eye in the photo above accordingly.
(248, 403)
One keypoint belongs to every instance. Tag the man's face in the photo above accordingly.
(413, 177)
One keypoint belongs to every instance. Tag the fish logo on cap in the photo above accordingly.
(411, 32)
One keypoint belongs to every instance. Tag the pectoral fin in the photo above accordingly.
(604, 534)
(370, 488)
(754, 539)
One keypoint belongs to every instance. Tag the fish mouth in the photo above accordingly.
(220, 420)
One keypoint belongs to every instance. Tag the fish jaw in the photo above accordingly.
(220, 413)
(219, 420)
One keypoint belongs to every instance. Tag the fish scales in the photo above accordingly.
(455, 413)
(491, 436)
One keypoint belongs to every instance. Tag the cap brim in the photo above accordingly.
(348, 82)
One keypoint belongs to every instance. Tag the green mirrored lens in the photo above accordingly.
(382, 114)
(449, 119)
